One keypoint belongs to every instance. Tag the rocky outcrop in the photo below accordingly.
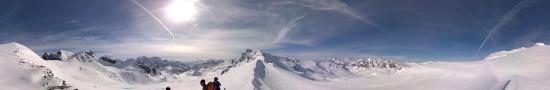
(84, 56)
(50, 56)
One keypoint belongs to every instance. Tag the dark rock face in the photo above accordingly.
(108, 60)
(83, 56)
(50, 56)
(375, 64)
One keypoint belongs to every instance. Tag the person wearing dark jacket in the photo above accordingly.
(203, 84)
(217, 83)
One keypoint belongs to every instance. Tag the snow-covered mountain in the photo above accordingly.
(140, 70)
(22, 69)
(320, 70)
(267, 71)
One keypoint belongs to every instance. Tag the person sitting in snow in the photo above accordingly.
(217, 83)
(203, 84)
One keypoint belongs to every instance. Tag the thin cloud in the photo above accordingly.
(293, 23)
(332, 5)
(505, 19)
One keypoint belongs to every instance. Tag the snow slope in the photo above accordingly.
(267, 72)
(264, 75)
(518, 69)
(522, 83)
(521, 65)
(22, 69)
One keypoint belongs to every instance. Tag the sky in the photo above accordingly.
(446, 30)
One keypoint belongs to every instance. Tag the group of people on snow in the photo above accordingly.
(211, 85)
(215, 85)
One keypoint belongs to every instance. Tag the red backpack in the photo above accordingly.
(210, 86)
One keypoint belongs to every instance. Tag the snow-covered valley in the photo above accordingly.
(23, 69)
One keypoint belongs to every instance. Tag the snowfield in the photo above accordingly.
(519, 69)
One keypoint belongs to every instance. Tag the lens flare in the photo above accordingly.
(181, 10)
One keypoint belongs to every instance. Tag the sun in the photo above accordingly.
(181, 10)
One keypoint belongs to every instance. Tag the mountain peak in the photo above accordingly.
(15, 45)
(251, 54)
(60, 55)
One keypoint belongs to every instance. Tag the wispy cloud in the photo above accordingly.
(308, 28)
(332, 5)
(505, 19)
(285, 29)
(222, 29)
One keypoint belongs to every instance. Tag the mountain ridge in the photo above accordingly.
(255, 69)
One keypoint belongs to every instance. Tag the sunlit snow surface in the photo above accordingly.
(518, 69)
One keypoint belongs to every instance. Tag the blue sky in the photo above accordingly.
(405, 29)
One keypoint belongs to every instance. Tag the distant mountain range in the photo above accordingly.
(23, 69)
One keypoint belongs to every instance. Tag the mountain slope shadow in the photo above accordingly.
(259, 75)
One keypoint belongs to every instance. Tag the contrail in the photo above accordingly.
(157, 19)
(354, 14)
(505, 19)
(286, 29)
